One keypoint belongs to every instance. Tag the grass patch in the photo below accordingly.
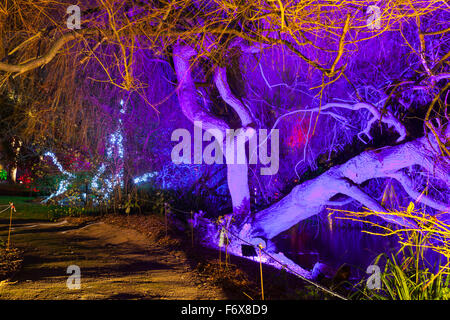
(27, 208)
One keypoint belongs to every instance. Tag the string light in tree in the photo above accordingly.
(114, 148)
(115, 153)
(63, 184)
(144, 177)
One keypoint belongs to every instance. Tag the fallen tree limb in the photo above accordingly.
(311, 197)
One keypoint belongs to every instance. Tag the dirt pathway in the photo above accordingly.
(115, 263)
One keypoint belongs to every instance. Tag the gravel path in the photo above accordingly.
(115, 263)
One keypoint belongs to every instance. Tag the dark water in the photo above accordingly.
(334, 245)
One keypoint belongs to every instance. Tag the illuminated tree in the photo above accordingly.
(354, 75)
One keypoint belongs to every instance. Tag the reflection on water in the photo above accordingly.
(318, 241)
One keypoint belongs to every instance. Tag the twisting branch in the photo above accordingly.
(237, 174)
(187, 91)
(388, 118)
(42, 60)
(220, 79)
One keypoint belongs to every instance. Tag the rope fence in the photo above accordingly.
(261, 250)
(224, 226)
(13, 209)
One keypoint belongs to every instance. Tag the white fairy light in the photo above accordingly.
(57, 164)
(115, 146)
(94, 182)
(144, 177)
(63, 184)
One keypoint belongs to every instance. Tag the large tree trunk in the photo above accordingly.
(312, 196)
(237, 174)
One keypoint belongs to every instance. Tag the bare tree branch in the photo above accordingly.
(42, 60)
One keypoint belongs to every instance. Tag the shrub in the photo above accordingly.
(10, 261)
(409, 275)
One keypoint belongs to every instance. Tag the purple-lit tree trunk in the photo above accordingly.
(237, 174)
(311, 197)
